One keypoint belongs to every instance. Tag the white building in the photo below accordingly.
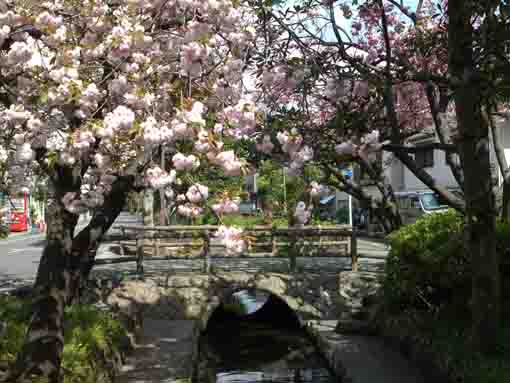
(434, 162)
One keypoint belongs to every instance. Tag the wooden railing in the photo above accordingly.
(180, 241)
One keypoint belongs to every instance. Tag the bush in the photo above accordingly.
(92, 339)
(445, 344)
(4, 231)
(427, 265)
(426, 262)
(503, 240)
(427, 290)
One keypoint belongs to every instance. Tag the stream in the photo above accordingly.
(243, 345)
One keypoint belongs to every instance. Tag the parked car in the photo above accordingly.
(413, 205)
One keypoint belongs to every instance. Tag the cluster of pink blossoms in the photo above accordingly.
(197, 193)
(158, 178)
(361, 148)
(183, 162)
(189, 210)
(281, 81)
(292, 144)
(226, 206)
(233, 239)
(266, 146)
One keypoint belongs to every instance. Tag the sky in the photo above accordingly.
(342, 21)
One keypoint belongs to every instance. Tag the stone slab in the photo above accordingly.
(362, 359)
(164, 354)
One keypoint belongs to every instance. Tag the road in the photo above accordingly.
(19, 258)
(20, 255)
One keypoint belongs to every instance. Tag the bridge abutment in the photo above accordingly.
(319, 300)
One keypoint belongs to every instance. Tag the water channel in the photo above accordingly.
(255, 337)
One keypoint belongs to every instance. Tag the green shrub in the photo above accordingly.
(503, 240)
(4, 231)
(428, 266)
(447, 343)
(92, 339)
(426, 262)
(427, 291)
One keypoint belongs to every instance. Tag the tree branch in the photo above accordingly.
(438, 111)
(396, 137)
(498, 146)
(394, 148)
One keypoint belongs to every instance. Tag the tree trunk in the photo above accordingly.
(65, 266)
(87, 241)
(388, 217)
(474, 154)
(44, 342)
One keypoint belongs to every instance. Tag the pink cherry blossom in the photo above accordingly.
(232, 239)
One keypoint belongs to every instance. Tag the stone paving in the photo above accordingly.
(363, 359)
(163, 354)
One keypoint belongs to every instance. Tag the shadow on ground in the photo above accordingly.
(10, 283)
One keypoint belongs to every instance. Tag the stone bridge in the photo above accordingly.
(177, 308)
(171, 304)
(193, 296)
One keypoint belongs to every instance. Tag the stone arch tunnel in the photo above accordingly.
(266, 307)
(309, 296)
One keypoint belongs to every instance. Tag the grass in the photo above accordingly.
(92, 340)
(247, 221)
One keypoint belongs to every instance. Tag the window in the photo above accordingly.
(424, 158)
(408, 202)
(432, 201)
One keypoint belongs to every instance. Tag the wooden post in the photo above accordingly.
(354, 251)
(293, 250)
(155, 244)
(123, 235)
(274, 245)
(139, 254)
(206, 252)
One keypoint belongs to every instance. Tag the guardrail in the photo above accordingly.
(294, 241)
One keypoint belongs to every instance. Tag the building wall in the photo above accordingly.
(402, 179)
(440, 171)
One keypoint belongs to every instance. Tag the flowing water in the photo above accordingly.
(244, 348)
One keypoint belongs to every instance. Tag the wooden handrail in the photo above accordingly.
(201, 228)
(294, 236)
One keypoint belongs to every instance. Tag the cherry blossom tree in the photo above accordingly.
(397, 73)
(90, 93)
